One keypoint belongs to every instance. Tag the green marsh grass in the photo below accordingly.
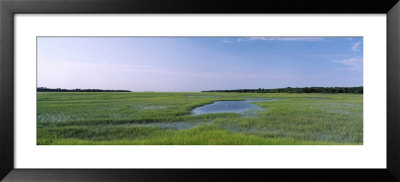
(82, 118)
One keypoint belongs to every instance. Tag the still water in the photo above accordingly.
(229, 106)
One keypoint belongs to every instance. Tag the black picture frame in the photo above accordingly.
(10, 7)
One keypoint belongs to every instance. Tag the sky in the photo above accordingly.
(191, 64)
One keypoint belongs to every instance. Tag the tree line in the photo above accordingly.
(44, 89)
(333, 90)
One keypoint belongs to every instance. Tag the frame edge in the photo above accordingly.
(7, 93)
(393, 90)
(7, 89)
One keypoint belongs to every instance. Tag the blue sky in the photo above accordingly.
(198, 63)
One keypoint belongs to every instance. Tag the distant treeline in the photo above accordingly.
(357, 90)
(44, 89)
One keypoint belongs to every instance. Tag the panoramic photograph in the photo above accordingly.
(199, 91)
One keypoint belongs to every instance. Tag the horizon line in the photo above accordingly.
(200, 90)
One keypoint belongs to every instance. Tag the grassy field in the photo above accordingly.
(151, 118)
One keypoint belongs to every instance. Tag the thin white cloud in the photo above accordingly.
(280, 39)
(356, 46)
(226, 41)
(354, 64)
